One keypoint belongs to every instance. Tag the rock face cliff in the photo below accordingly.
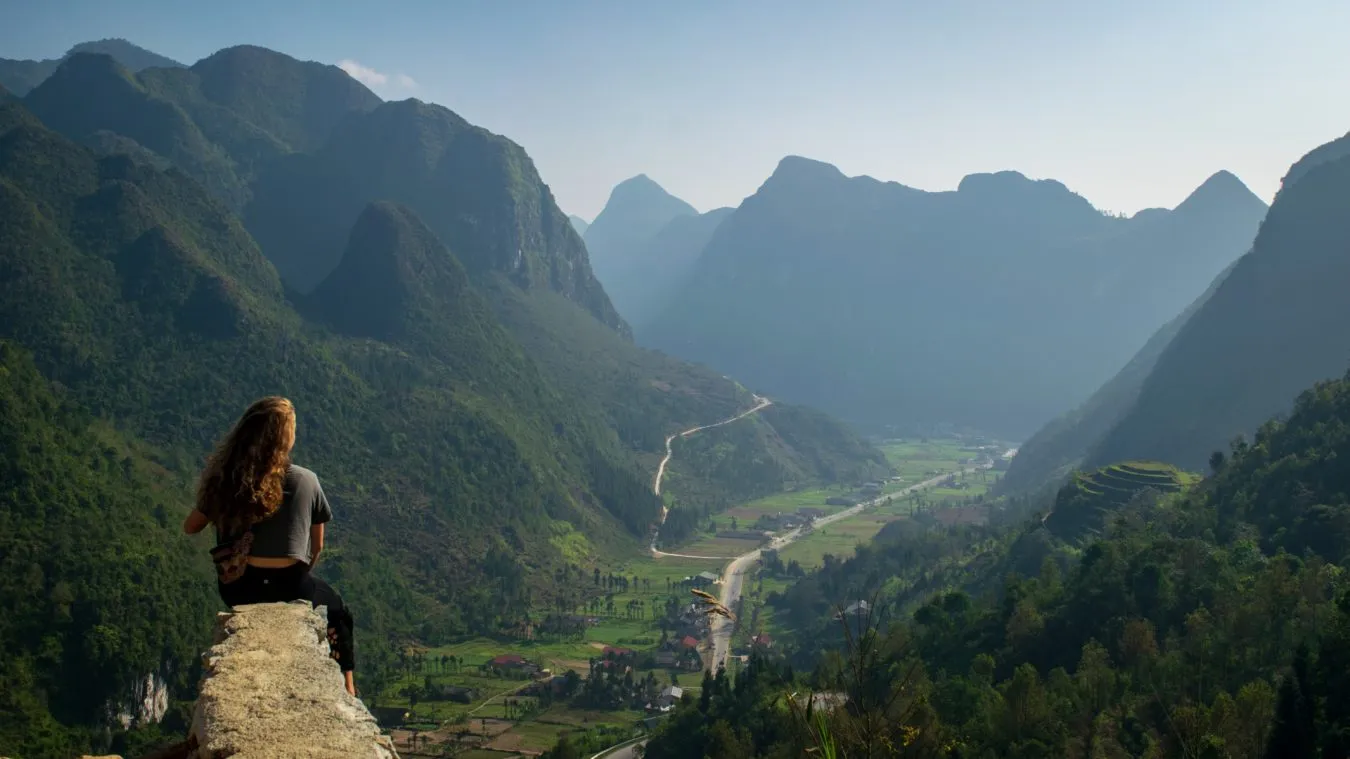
(271, 690)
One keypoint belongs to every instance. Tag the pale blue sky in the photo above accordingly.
(1131, 104)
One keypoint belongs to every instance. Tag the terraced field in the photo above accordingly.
(1086, 502)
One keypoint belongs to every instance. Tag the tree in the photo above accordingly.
(1292, 734)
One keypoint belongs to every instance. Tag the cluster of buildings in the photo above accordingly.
(787, 520)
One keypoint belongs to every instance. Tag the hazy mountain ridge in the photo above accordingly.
(1263, 335)
(1005, 267)
(21, 76)
(1061, 445)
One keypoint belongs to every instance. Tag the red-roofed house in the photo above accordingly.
(763, 640)
(512, 663)
(689, 641)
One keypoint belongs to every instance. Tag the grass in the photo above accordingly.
(711, 545)
(838, 539)
(746, 514)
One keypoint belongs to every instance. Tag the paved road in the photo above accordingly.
(733, 577)
(627, 752)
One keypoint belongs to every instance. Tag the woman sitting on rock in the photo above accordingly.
(269, 516)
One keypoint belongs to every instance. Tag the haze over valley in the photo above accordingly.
(681, 411)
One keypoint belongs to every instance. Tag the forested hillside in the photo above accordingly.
(98, 590)
(894, 307)
(470, 411)
(1207, 623)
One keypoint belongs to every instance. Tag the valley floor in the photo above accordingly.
(498, 721)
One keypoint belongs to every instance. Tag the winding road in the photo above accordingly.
(761, 403)
(733, 576)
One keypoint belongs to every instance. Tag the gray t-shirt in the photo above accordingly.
(286, 532)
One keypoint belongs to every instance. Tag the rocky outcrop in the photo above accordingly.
(271, 690)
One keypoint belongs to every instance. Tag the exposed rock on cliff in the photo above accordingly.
(271, 690)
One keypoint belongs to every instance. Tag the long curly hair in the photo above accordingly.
(243, 479)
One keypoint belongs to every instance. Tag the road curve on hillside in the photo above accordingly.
(761, 403)
(733, 577)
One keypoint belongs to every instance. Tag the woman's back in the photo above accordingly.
(286, 533)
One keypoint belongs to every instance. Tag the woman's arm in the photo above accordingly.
(195, 522)
(315, 543)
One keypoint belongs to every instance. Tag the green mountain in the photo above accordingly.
(220, 121)
(579, 224)
(1261, 336)
(479, 418)
(19, 76)
(478, 191)
(1060, 446)
(954, 299)
(90, 96)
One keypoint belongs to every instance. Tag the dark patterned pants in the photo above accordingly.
(260, 586)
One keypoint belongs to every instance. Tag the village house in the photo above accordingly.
(763, 640)
(512, 664)
(701, 580)
(670, 696)
(457, 693)
(854, 610)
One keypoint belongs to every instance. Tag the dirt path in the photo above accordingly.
(761, 403)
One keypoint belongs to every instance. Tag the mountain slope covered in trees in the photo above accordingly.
(1211, 622)
(97, 586)
(954, 299)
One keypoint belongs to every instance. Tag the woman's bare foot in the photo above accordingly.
(351, 683)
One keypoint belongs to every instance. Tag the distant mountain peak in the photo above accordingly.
(798, 169)
(1222, 190)
(1007, 180)
(85, 70)
(642, 188)
(643, 194)
(131, 55)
